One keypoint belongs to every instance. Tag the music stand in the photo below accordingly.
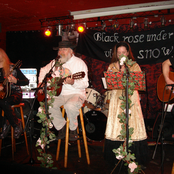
(114, 80)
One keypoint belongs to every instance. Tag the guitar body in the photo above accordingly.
(41, 96)
(7, 86)
(162, 91)
(78, 75)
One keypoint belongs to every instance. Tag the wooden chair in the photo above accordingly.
(12, 130)
(78, 141)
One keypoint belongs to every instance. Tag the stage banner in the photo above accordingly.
(148, 47)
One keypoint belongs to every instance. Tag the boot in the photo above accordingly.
(18, 130)
(5, 130)
(73, 136)
(61, 133)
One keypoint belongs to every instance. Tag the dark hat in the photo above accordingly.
(65, 44)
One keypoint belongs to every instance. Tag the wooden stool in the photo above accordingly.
(12, 130)
(78, 141)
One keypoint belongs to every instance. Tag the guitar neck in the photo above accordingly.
(61, 80)
(15, 66)
(77, 75)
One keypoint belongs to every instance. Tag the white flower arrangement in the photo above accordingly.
(119, 156)
(40, 143)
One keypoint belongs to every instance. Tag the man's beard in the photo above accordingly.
(64, 59)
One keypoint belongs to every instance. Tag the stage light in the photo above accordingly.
(103, 25)
(59, 28)
(115, 24)
(131, 23)
(163, 21)
(48, 32)
(81, 29)
(146, 22)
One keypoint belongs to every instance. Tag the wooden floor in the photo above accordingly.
(30, 164)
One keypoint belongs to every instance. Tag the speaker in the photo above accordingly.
(29, 119)
(168, 127)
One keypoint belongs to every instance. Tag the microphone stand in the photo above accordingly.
(44, 83)
(127, 107)
(160, 137)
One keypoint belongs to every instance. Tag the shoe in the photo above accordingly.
(5, 130)
(73, 136)
(18, 130)
(61, 133)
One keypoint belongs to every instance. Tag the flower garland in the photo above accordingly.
(46, 135)
(122, 153)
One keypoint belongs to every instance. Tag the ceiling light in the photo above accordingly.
(91, 13)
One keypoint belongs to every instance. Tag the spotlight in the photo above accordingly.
(103, 25)
(115, 24)
(81, 28)
(131, 23)
(48, 32)
(59, 30)
(163, 21)
(146, 21)
(73, 36)
(72, 27)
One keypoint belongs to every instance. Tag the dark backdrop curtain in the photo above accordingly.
(35, 51)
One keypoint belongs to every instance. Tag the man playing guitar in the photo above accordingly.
(73, 92)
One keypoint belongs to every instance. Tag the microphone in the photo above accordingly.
(58, 57)
(57, 60)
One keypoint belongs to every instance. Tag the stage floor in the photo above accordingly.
(76, 165)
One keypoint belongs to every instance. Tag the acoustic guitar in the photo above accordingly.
(7, 86)
(78, 75)
(162, 91)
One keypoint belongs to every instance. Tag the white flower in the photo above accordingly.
(50, 125)
(130, 141)
(122, 60)
(40, 143)
(48, 159)
(119, 156)
(132, 166)
(128, 112)
(40, 109)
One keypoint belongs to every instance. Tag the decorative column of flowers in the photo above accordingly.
(122, 153)
(46, 135)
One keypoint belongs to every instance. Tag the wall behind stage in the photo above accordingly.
(35, 51)
(31, 47)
